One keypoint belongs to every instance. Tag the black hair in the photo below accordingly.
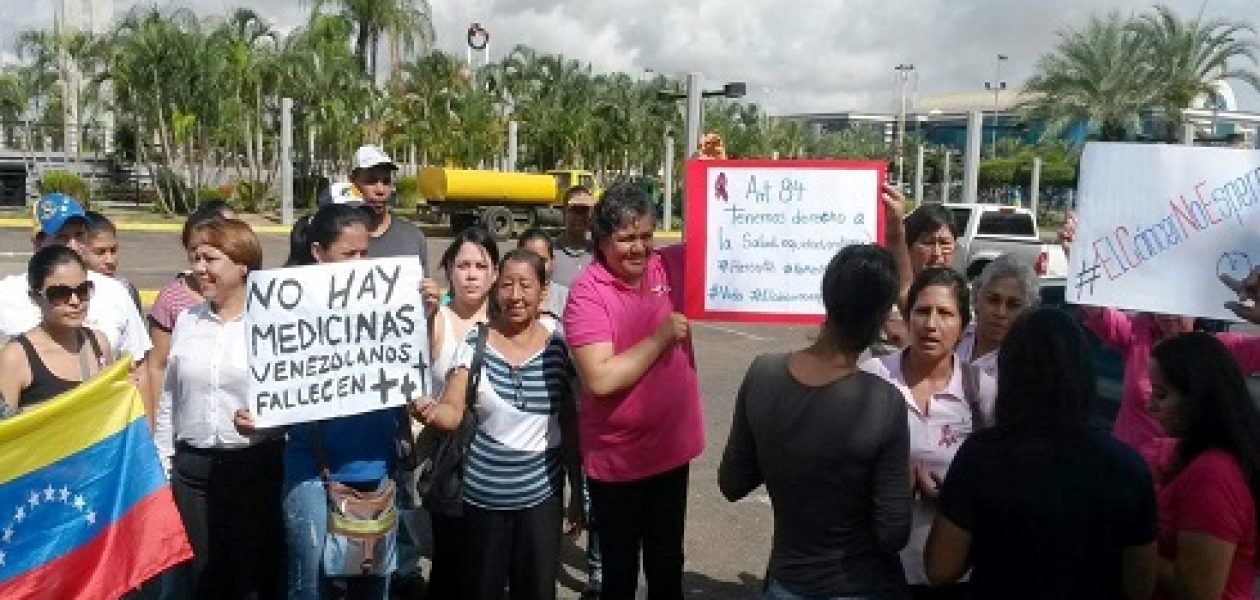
(475, 234)
(1045, 379)
(323, 228)
(46, 260)
(1218, 409)
(944, 277)
(928, 218)
(536, 233)
(208, 211)
(858, 290)
(619, 206)
(529, 257)
(98, 223)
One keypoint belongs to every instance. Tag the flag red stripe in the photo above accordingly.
(139, 545)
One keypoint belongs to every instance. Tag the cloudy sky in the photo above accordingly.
(796, 56)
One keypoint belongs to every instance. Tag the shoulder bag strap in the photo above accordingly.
(474, 369)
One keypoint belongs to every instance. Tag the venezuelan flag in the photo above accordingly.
(85, 509)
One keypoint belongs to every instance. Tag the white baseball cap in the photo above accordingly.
(367, 157)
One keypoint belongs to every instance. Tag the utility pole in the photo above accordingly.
(286, 161)
(695, 113)
(996, 86)
(667, 176)
(903, 76)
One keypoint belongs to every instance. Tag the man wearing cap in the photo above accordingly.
(372, 175)
(62, 222)
(573, 247)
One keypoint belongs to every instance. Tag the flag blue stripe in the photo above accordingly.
(47, 513)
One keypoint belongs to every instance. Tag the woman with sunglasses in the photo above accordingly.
(524, 445)
(59, 353)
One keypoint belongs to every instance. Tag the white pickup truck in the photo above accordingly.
(986, 231)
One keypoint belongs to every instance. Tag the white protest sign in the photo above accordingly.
(761, 233)
(1158, 224)
(334, 339)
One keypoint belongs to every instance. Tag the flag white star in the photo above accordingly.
(91, 517)
(34, 500)
(49, 492)
(1, 558)
(20, 515)
(64, 494)
(79, 502)
(8, 534)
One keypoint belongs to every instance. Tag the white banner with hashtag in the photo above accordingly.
(1157, 225)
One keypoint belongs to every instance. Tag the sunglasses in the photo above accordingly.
(60, 294)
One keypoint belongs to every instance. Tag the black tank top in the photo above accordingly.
(44, 385)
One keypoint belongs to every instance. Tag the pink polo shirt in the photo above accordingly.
(1133, 337)
(658, 424)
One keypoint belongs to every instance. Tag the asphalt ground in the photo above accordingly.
(727, 544)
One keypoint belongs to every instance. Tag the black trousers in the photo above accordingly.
(447, 546)
(958, 591)
(230, 502)
(648, 515)
(519, 548)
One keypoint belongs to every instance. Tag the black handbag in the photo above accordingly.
(440, 474)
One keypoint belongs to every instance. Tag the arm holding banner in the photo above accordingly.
(895, 239)
(446, 413)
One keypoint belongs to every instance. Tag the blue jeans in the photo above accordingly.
(305, 527)
(774, 591)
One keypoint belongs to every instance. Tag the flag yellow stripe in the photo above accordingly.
(70, 422)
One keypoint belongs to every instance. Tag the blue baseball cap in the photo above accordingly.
(53, 211)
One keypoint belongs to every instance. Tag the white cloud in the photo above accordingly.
(795, 55)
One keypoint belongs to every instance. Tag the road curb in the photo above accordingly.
(20, 223)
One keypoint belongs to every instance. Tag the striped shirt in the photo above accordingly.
(514, 461)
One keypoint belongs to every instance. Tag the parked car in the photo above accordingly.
(986, 231)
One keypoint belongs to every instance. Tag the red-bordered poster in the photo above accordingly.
(761, 232)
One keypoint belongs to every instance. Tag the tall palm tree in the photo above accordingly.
(1094, 75)
(407, 22)
(1190, 55)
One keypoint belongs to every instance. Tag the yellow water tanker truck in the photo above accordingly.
(504, 202)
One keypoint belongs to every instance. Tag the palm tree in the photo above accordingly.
(1094, 76)
(407, 22)
(1190, 56)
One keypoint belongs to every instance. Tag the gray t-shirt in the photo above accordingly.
(401, 239)
(568, 261)
(835, 461)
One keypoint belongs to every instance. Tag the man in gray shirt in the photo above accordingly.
(573, 247)
(373, 176)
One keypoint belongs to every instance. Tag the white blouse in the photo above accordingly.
(207, 380)
(935, 436)
(967, 350)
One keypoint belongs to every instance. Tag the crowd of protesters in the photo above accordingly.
(935, 439)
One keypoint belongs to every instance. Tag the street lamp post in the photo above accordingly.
(693, 123)
(903, 76)
(996, 86)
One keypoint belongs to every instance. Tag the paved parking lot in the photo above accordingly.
(727, 544)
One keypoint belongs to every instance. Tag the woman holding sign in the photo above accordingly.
(946, 399)
(227, 485)
(357, 451)
(641, 420)
(524, 444)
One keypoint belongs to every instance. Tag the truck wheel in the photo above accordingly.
(462, 222)
(499, 221)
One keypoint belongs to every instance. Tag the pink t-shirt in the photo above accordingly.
(1210, 496)
(172, 299)
(658, 424)
(1133, 337)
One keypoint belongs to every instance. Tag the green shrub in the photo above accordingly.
(407, 189)
(250, 196)
(65, 182)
